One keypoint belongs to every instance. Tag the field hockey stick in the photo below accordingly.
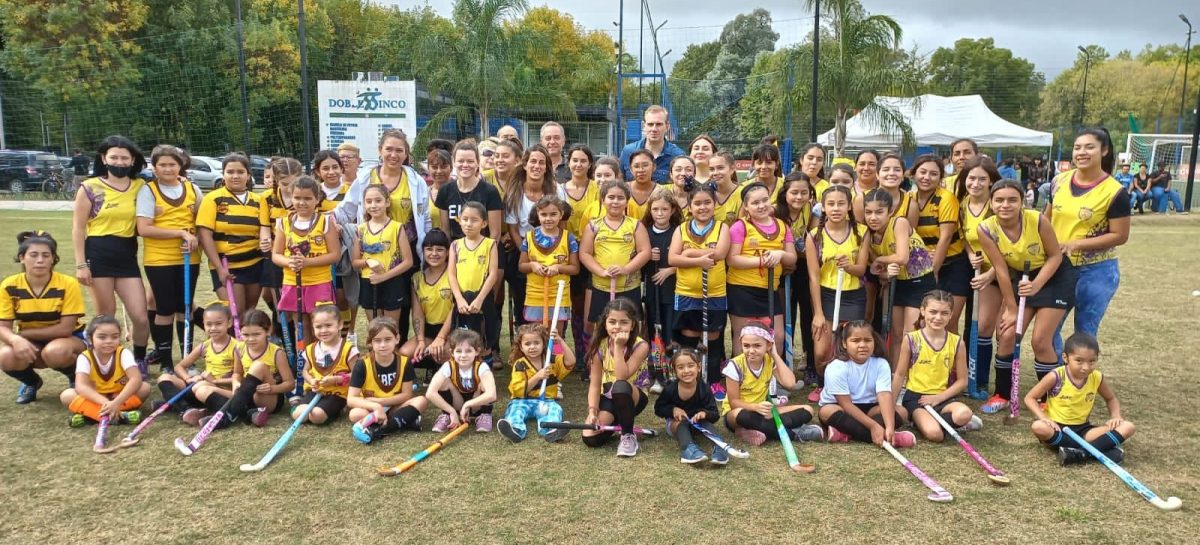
(237, 320)
(1014, 406)
(190, 448)
(788, 329)
(837, 298)
(704, 324)
(656, 344)
(283, 440)
(550, 341)
(187, 302)
(135, 435)
(719, 442)
(596, 427)
(997, 476)
(373, 264)
(299, 364)
(973, 346)
(888, 297)
(938, 493)
(416, 458)
(546, 301)
(101, 445)
(772, 388)
(789, 451)
(1172, 503)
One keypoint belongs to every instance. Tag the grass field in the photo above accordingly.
(481, 489)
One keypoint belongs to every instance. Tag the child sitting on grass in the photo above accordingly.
(689, 399)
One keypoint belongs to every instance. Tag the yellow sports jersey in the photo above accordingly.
(773, 188)
(688, 280)
(920, 260)
(799, 229)
(435, 297)
(310, 242)
(970, 230)
(272, 207)
(385, 385)
(460, 382)
(1027, 248)
(493, 178)
(523, 370)
(726, 211)
(329, 203)
(608, 364)
(382, 245)
(580, 207)
(755, 244)
(829, 250)
(112, 382)
(401, 208)
(234, 222)
(1083, 216)
(471, 265)
(557, 253)
(242, 352)
(218, 363)
(755, 385)
(174, 214)
(615, 246)
(1069, 403)
(948, 182)
(900, 209)
(929, 368)
(330, 365)
(26, 309)
(942, 207)
(638, 210)
(819, 189)
(113, 212)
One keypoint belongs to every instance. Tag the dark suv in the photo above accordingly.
(22, 171)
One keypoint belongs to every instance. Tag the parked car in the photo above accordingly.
(22, 170)
(258, 165)
(205, 172)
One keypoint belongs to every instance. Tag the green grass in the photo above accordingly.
(481, 489)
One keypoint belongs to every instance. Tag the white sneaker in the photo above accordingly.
(975, 424)
(656, 389)
(628, 446)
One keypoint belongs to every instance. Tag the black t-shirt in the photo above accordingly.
(662, 241)
(385, 376)
(80, 164)
(1160, 178)
(450, 201)
(701, 400)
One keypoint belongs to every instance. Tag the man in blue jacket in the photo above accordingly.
(655, 127)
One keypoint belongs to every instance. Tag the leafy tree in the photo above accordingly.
(697, 61)
(1009, 85)
(560, 53)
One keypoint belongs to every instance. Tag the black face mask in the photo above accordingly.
(119, 171)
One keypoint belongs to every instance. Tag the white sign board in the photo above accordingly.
(359, 111)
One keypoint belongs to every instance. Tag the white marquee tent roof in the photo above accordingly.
(938, 122)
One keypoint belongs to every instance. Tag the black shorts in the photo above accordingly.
(694, 320)
(430, 331)
(579, 283)
(248, 275)
(271, 276)
(854, 304)
(388, 295)
(1081, 429)
(331, 404)
(751, 302)
(955, 275)
(909, 293)
(1058, 293)
(909, 402)
(166, 281)
(600, 300)
(112, 256)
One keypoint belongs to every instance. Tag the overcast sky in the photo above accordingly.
(1043, 31)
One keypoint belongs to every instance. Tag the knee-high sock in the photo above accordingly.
(622, 397)
(243, 398)
(1042, 368)
(28, 376)
(683, 435)
(983, 363)
(795, 419)
(716, 357)
(849, 426)
(754, 421)
(1004, 375)
(169, 389)
(1102, 443)
(400, 418)
(161, 335)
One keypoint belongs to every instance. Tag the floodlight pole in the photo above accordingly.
(812, 119)
(306, 159)
(1191, 179)
(1187, 54)
(1087, 63)
(241, 41)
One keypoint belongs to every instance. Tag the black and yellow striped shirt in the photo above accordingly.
(28, 310)
(234, 222)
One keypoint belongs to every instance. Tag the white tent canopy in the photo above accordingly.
(939, 121)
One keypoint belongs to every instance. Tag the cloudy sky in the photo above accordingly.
(1045, 32)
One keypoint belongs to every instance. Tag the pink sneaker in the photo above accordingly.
(837, 436)
(441, 424)
(904, 439)
(815, 395)
(483, 423)
(754, 437)
(192, 417)
(259, 417)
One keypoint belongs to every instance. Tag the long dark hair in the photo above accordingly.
(1108, 160)
(591, 157)
(804, 150)
(600, 337)
(820, 237)
(139, 160)
(516, 193)
(960, 176)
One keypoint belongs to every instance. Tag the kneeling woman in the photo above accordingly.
(39, 316)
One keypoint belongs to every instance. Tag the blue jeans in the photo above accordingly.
(521, 409)
(1136, 198)
(1162, 195)
(1094, 290)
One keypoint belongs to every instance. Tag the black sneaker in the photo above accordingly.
(28, 394)
(1116, 454)
(508, 431)
(1071, 456)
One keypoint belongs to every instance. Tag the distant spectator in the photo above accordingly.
(1007, 172)
(351, 158)
(655, 127)
(508, 132)
(1124, 176)
(553, 139)
(79, 164)
(1161, 192)
(487, 153)
(1140, 192)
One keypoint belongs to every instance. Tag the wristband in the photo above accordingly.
(345, 379)
(82, 266)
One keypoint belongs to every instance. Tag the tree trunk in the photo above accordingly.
(839, 134)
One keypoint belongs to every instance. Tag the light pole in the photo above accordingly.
(1087, 64)
(1187, 54)
(812, 119)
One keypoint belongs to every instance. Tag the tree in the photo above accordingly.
(1009, 85)
(697, 61)
(559, 52)
(742, 40)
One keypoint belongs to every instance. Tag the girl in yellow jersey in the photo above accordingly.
(463, 387)
(439, 164)
(838, 242)
(276, 205)
(794, 207)
(534, 181)
(682, 173)
(433, 301)
(935, 216)
(701, 243)
(262, 379)
(549, 255)
(616, 356)
(40, 313)
(1013, 238)
(216, 354)
(229, 223)
(166, 220)
(328, 168)
(328, 365)
(974, 187)
(530, 370)
(473, 273)
(641, 164)
(105, 237)
(607, 169)
(728, 195)
(581, 192)
(1070, 393)
(891, 177)
(747, 405)
(383, 256)
(306, 244)
(757, 241)
(929, 356)
(107, 380)
(812, 164)
(898, 256)
(767, 169)
(614, 249)
(381, 396)
(840, 174)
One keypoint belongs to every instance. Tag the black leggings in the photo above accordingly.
(849, 426)
(757, 422)
(486, 409)
(623, 409)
